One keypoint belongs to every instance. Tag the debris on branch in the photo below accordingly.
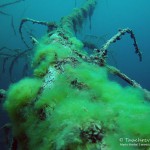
(118, 36)
(101, 54)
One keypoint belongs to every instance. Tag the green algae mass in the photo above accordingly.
(57, 118)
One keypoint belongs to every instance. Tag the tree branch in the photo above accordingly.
(49, 25)
(71, 22)
(117, 37)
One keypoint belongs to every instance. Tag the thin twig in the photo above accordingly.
(11, 50)
(4, 64)
(2, 48)
(12, 25)
(12, 21)
(11, 3)
(3, 13)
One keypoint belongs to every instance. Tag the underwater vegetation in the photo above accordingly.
(70, 103)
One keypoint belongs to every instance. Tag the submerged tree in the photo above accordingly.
(70, 104)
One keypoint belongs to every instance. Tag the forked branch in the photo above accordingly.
(117, 37)
(49, 25)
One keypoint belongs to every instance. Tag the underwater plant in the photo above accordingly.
(70, 103)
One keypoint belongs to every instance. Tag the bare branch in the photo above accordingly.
(133, 83)
(49, 25)
(118, 73)
(118, 36)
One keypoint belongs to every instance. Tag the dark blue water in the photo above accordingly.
(109, 16)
